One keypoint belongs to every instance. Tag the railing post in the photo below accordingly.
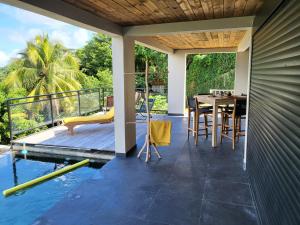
(51, 110)
(103, 99)
(79, 105)
(99, 99)
(9, 120)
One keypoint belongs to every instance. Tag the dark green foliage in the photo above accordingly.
(212, 71)
(158, 66)
(96, 55)
(12, 93)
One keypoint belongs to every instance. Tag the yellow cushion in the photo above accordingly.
(107, 117)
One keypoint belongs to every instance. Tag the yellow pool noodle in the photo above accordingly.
(45, 177)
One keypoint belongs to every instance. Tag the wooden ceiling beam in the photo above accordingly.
(68, 13)
(211, 25)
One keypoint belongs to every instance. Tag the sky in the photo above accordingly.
(17, 26)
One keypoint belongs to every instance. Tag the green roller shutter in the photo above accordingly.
(274, 117)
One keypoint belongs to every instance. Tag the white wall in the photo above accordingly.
(176, 83)
(124, 93)
(241, 72)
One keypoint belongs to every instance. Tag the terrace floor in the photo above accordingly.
(190, 185)
(89, 136)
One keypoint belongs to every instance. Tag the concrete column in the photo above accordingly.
(176, 83)
(124, 93)
(241, 73)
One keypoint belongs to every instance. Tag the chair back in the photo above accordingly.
(109, 101)
(150, 105)
(191, 102)
(240, 106)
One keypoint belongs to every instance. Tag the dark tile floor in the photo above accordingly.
(190, 185)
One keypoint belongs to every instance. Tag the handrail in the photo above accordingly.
(47, 109)
(56, 93)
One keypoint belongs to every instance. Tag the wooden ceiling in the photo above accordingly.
(140, 12)
(229, 39)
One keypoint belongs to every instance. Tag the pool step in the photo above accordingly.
(64, 152)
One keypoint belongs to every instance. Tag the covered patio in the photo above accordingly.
(189, 185)
(206, 184)
(173, 27)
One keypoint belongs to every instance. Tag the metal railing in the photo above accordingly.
(34, 112)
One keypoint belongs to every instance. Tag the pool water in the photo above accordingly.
(25, 206)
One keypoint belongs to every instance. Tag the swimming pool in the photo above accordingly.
(25, 206)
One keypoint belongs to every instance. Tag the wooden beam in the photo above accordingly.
(205, 50)
(224, 24)
(68, 13)
(153, 44)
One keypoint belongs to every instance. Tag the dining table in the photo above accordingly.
(216, 101)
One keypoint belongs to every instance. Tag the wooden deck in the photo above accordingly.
(91, 140)
(90, 136)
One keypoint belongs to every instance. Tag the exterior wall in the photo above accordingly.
(273, 153)
(176, 83)
(241, 73)
(124, 93)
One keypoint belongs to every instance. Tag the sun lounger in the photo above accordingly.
(71, 122)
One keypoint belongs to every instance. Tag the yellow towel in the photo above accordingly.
(106, 118)
(160, 132)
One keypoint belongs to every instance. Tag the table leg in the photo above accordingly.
(194, 123)
(215, 125)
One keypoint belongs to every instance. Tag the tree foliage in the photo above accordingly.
(212, 71)
(158, 66)
(44, 68)
(96, 55)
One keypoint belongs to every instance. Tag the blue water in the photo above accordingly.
(26, 206)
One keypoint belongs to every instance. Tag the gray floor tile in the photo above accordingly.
(227, 192)
(175, 209)
(213, 213)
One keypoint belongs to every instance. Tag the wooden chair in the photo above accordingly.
(236, 114)
(201, 109)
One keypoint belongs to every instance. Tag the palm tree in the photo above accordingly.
(45, 68)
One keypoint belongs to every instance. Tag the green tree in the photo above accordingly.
(212, 71)
(102, 79)
(158, 65)
(96, 55)
(45, 67)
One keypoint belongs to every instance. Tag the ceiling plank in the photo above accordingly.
(68, 13)
(142, 12)
(200, 40)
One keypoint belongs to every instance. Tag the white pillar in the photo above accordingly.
(124, 93)
(176, 83)
(241, 73)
